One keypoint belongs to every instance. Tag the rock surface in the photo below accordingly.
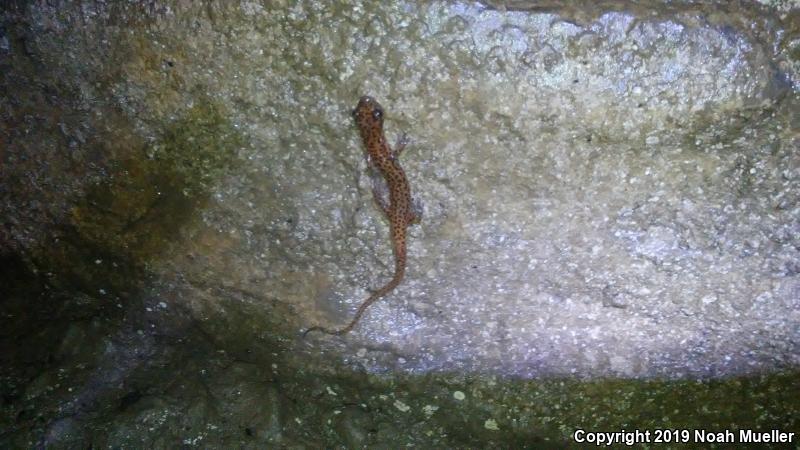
(609, 191)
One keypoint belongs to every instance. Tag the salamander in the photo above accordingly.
(399, 209)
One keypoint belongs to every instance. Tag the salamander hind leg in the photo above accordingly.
(415, 212)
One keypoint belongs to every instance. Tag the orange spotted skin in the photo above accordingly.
(369, 119)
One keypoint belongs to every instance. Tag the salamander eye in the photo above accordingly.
(377, 114)
(353, 112)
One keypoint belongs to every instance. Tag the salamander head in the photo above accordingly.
(368, 113)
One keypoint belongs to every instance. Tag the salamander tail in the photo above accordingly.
(377, 295)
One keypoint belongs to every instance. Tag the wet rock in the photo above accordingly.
(353, 425)
(610, 191)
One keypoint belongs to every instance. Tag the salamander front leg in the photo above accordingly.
(400, 145)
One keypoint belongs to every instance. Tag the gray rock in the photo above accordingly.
(609, 190)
